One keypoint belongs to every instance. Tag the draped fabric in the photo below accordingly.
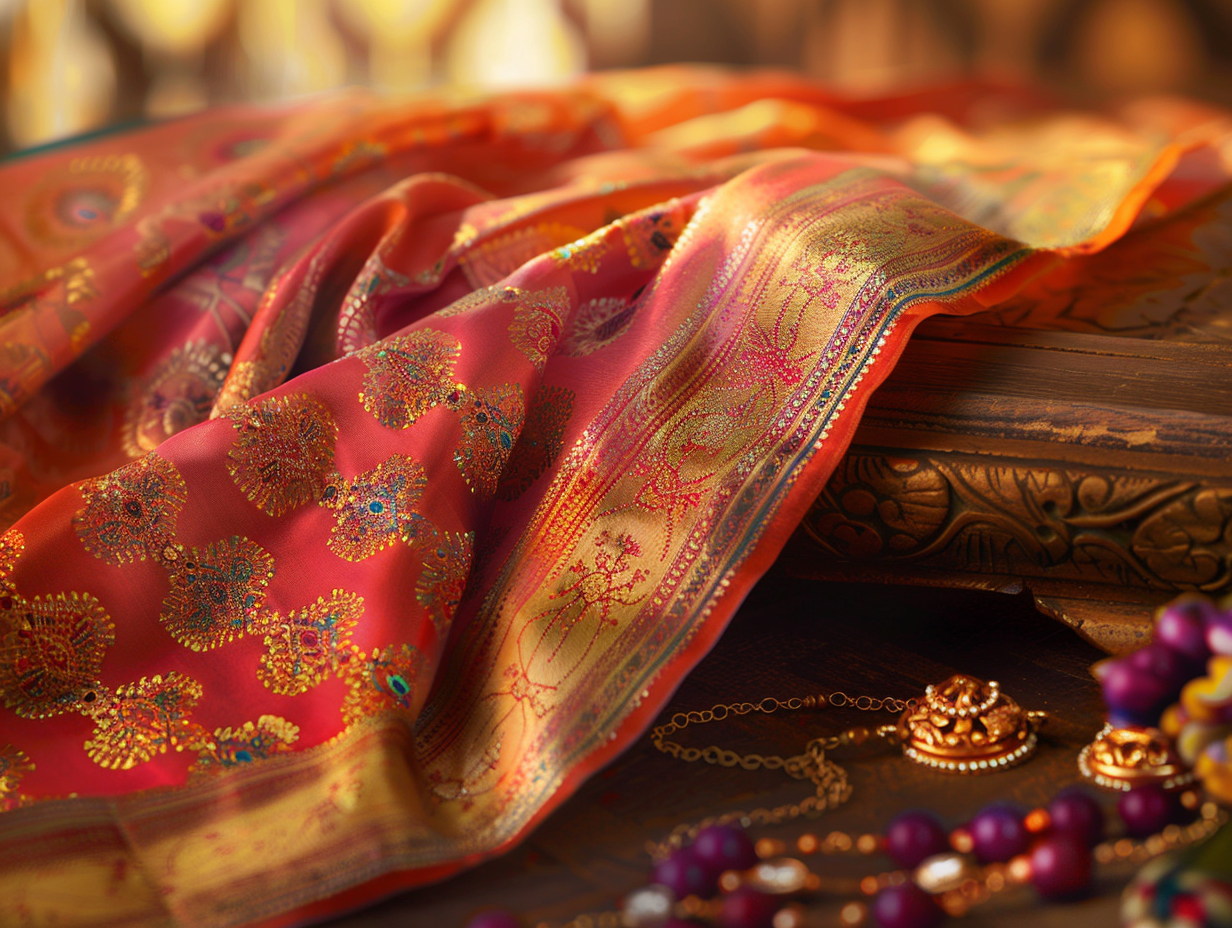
(374, 470)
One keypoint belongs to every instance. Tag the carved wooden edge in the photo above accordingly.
(1100, 548)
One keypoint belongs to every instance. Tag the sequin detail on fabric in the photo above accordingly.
(380, 509)
(311, 643)
(443, 580)
(283, 455)
(385, 682)
(408, 375)
(491, 421)
(217, 592)
(130, 514)
(247, 744)
(541, 441)
(143, 719)
(178, 394)
(14, 765)
(51, 651)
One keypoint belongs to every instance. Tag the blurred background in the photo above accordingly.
(68, 66)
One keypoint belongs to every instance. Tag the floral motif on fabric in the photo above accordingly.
(284, 451)
(585, 254)
(357, 318)
(537, 321)
(491, 420)
(308, 645)
(179, 393)
(384, 682)
(217, 592)
(51, 651)
(444, 577)
(597, 324)
(408, 375)
(247, 744)
(651, 234)
(379, 509)
(145, 718)
(541, 441)
(80, 201)
(14, 765)
(130, 513)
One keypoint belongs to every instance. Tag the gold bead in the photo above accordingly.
(1019, 869)
(810, 702)
(869, 886)
(867, 844)
(961, 841)
(944, 872)
(859, 735)
(770, 847)
(1037, 821)
(790, 916)
(1190, 799)
(730, 881)
(807, 843)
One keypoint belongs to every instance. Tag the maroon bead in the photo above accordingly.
(1161, 661)
(998, 833)
(1133, 695)
(724, 847)
(1061, 865)
(748, 908)
(913, 836)
(1182, 627)
(1148, 809)
(685, 875)
(495, 918)
(1074, 812)
(906, 906)
(1219, 633)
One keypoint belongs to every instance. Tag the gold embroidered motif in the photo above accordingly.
(12, 544)
(143, 719)
(491, 421)
(537, 321)
(247, 744)
(311, 643)
(217, 592)
(408, 375)
(130, 514)
(443, 580)
(596, 324)
(283, 456)
(541, 441)
(385, 682)
(379, 509)
(51, 651)
(14, 765)
(178, 394)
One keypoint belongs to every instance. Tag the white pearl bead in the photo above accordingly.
(649, 907)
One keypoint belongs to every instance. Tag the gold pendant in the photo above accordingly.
(965, 725)
(1123, 758)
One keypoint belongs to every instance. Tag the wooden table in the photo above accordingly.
(793, 637)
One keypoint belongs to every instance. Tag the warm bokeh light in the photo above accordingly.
(73, 65)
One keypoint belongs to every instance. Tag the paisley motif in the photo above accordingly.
(247, 744)
(597, 324)
(491, 421)
(130, 513)
(443, 580)
(537, 321)
(143, 719)
(408, 375)
(382, 683)
(85, 199)
(178, 394)
(283, 455)
(379, 509)
(541, 441)
(51, 650)
(307, 646)
(216, 593)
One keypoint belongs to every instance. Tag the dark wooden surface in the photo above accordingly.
(796, 636)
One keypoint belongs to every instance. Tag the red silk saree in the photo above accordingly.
(373, 472)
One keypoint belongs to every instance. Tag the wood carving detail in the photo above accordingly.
(1035, 520)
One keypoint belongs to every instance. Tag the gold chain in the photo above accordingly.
(828, 778)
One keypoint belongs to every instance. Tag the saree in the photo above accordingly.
(373, 471)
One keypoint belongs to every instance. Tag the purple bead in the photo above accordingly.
(906, 906)
(1148, 809)
(913, 836)
(1132, 695)
(748, 908)
(685, 875)
(724, 847)
(1182, 627)
(1060, 865)
(1219, 633)
(1074, 812)
(998, 833)
(1161, 661)
(495, 918)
